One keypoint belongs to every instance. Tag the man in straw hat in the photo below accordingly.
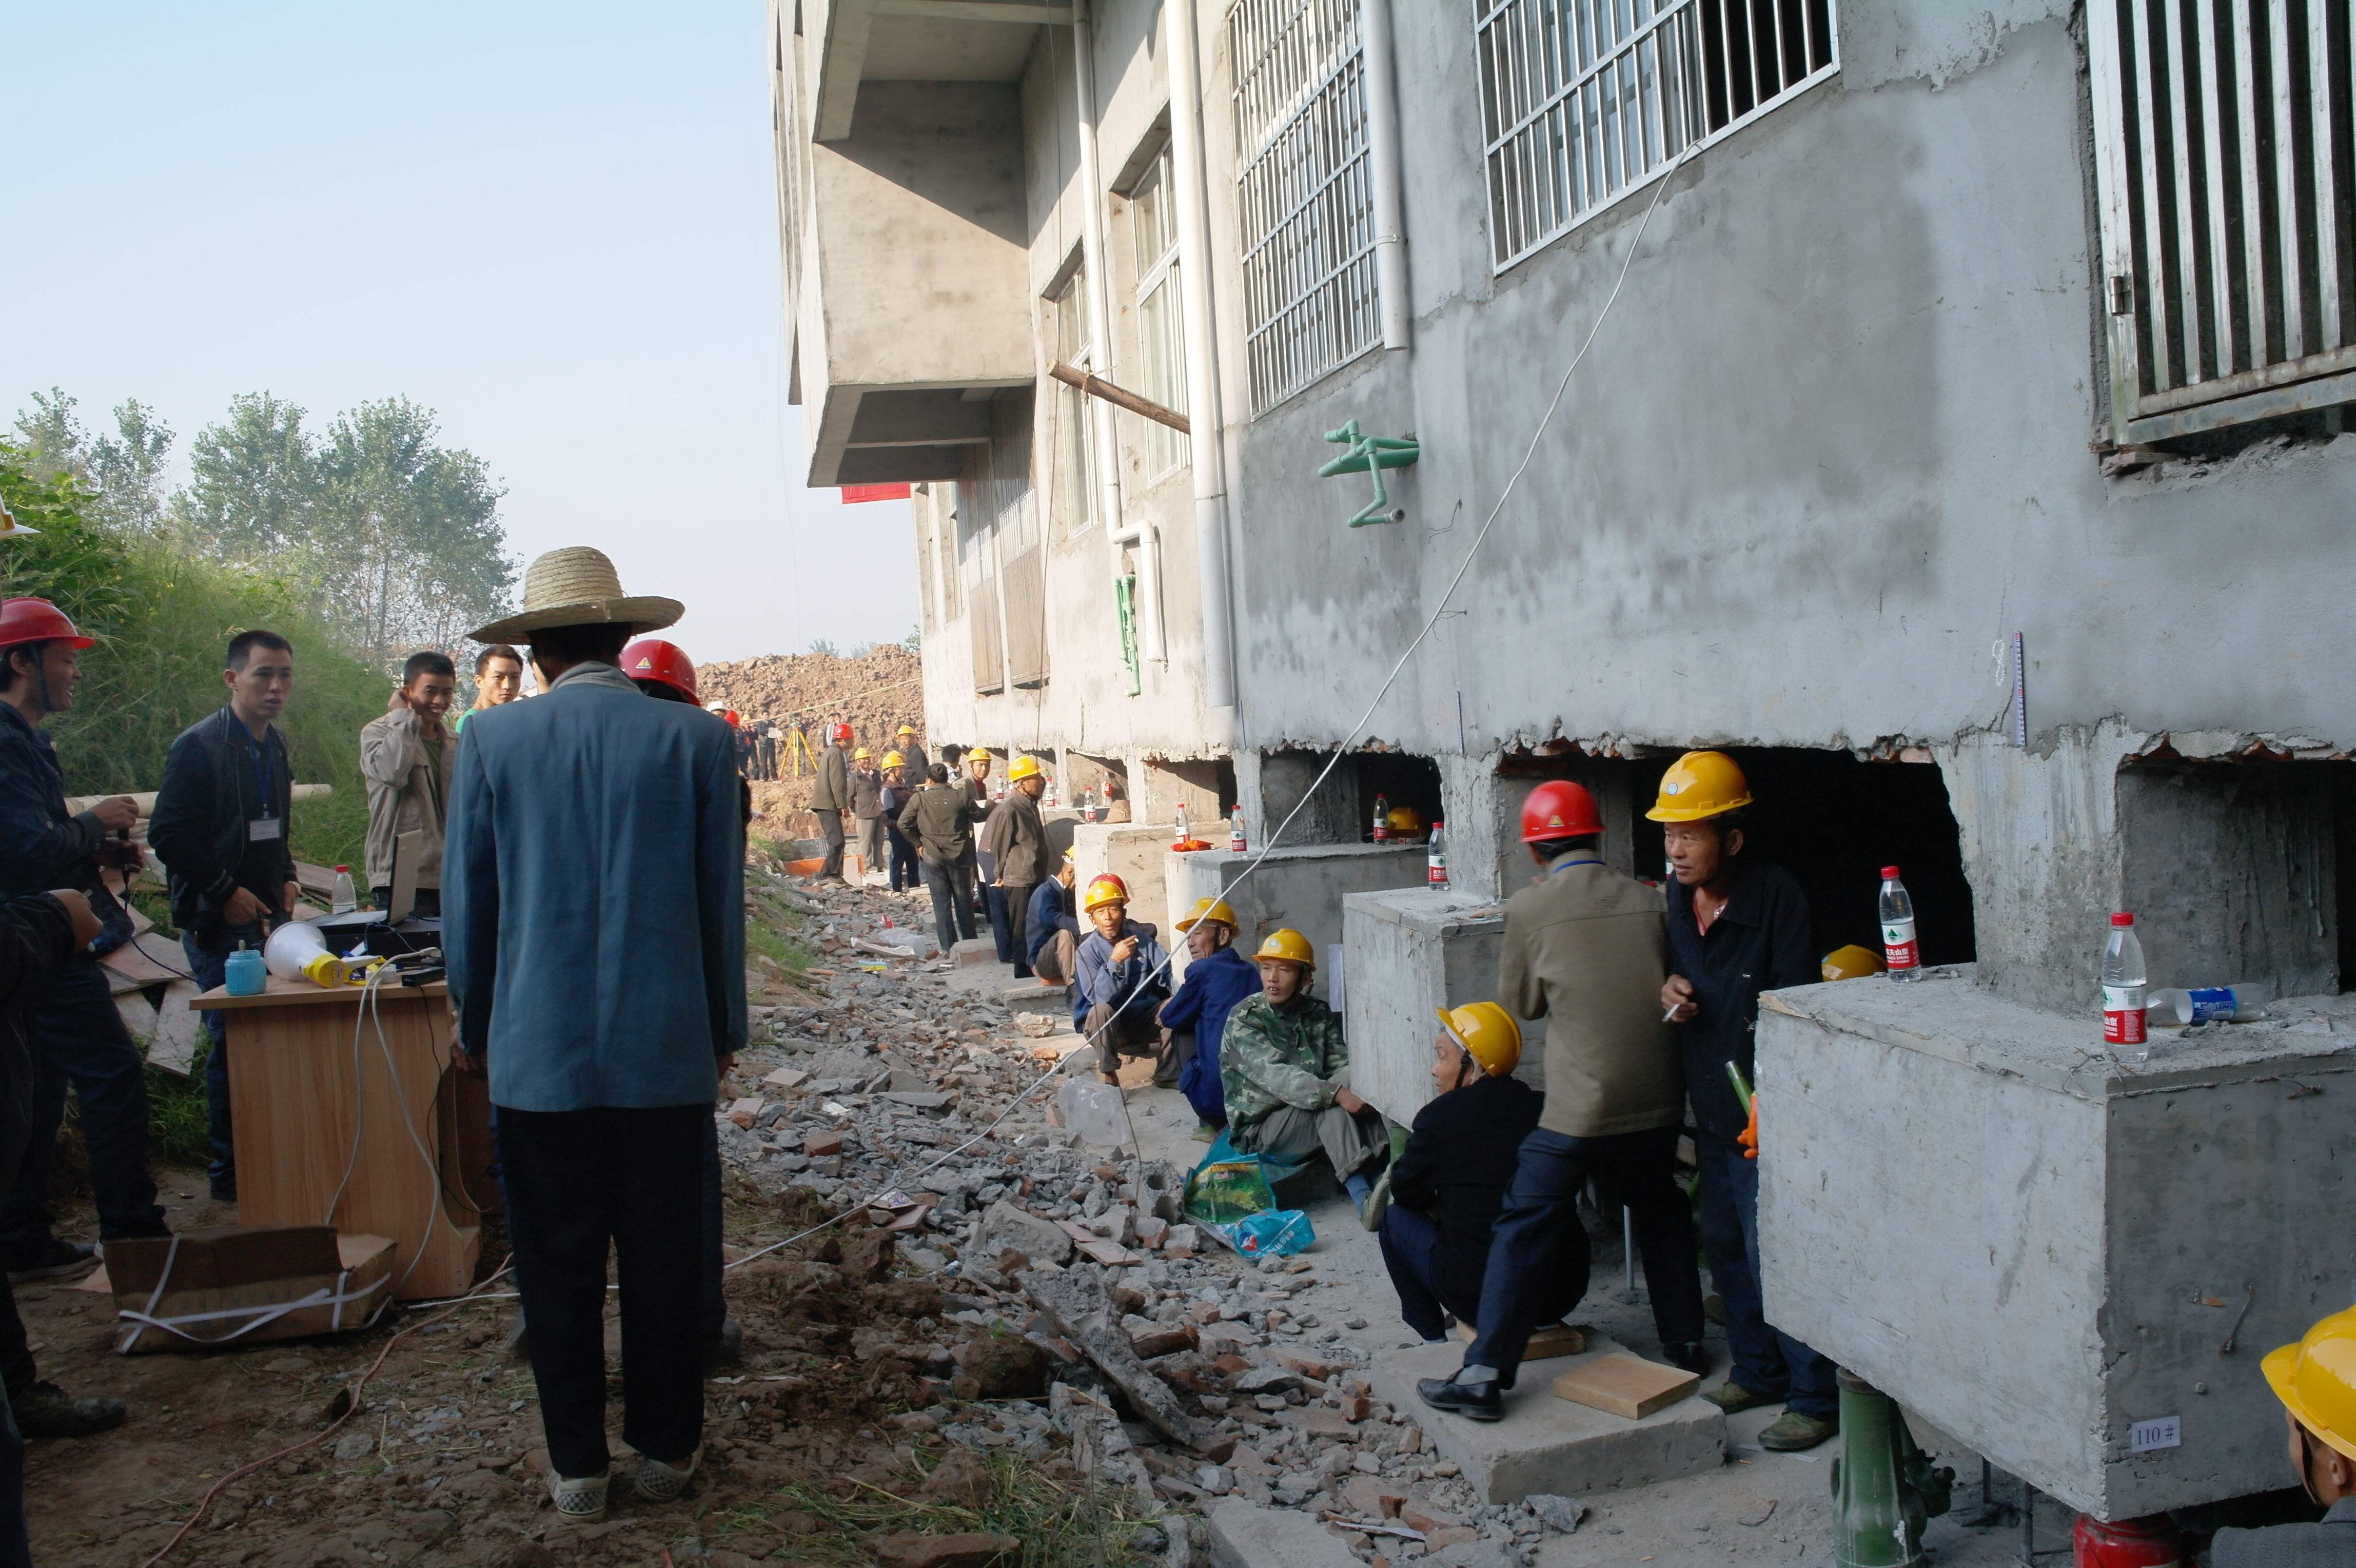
(593, 915)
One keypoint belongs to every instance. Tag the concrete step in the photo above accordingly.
(1546, 1444)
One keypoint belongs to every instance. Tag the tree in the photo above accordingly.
(254, 482)
(128, 469)
(51, 443)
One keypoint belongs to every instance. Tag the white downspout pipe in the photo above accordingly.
(1187, 158)
(1103, 428)
(1383, 166)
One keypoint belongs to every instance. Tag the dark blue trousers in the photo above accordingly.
(77, 1038)
(903, 858)
(1766, 1361)
(15, 1546)
(1411, 1253)
(208, 963)
(1001, 928)
(1539, 1242)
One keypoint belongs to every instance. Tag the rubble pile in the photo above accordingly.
(876, 693)
(1039, 1267)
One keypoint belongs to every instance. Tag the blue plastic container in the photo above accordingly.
(246, 974)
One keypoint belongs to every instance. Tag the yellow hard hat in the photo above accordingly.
(905, 729)
(2315, 1379)
(1288, 946)
(893, 760)
(1405, 820)
(1852, 962)
(979, 754)
(1212, 909)
(1700, 784)
(1021, 767)
(1104, 888)
(1488, 1033)
(859, 755)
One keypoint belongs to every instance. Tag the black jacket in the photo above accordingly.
(1458, 1159)
(1760, 942)
(35, 945)
(41, 846)
(200, 829)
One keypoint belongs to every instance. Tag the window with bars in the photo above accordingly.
(2225, 167)
(1161, 320)
(1584, 100)
(1304, 191)
(1075, 465)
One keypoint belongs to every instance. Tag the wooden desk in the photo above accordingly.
(298, 1099)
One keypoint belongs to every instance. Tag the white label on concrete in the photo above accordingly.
(2160, 1432)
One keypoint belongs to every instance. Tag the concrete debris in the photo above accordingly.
(1007, 1227)
(1077, 1301)
(1555, 1511)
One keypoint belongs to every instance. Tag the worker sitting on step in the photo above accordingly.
(1218, 977)
(1050, 930)
(1585, 949)
(2316, 1380)
(1449, 1183)
(1737, 926)
(1285, 1069)
(1123, 977)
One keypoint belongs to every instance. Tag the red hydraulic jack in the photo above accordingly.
(2126, 1543)
(1884, 1487)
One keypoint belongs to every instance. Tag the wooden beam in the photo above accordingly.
(1119, 397)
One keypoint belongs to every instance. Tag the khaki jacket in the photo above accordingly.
(831, 791)
(1587, 950)
(1017, 835)
(407, 792)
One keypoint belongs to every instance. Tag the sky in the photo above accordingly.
(555, 225)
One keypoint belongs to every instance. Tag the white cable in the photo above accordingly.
(1269, 846)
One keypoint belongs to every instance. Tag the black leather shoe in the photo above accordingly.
(53, 1259)
(1482, 1402)
(45, 1411)
(1692, 1356)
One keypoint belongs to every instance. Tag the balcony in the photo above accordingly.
(901, 189)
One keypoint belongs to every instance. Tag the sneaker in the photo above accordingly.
(726, 1347)
(579, 1500)
(52, 1260)
(1692, 1356)
(1713, 1306)
(1792, 1433)
(1733, 1398)
(661, 1483)
(45, 1409)
(1370, 1213)
(1205, 1133)
(1482, 1402)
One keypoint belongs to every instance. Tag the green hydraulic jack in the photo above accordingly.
(1372, 455)
(1884, 1488)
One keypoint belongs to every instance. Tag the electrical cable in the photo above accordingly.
(1273, 839)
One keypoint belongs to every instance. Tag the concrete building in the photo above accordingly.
(1954, 436)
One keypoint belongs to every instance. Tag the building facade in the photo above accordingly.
(1940, 407)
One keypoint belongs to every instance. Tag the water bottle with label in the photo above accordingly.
(1435, 855)
(1185, 828)
(2123, 980)
(2174, 1008)
(343, 901)
(1903, 953)
(1382, 818)
(1237, 842)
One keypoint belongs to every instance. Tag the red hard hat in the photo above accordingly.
(652, 658)
(36, 620)
(842, 734)
(1557, 810)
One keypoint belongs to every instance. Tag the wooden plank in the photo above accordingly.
(1625, 1385)
(303, 994)
(1546, 1342)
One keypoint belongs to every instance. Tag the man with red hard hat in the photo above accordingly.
(1587, 950)
(77, 1036)
(831, 796)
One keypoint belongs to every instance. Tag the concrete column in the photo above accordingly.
(1482, 844)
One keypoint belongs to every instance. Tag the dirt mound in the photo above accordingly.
(876, 693)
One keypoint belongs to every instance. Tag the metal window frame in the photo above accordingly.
(1152, 278)
(1304, 192)
(1550, 65)
(1070, 404)
(2227, 228)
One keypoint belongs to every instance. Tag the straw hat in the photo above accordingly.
(578, 586)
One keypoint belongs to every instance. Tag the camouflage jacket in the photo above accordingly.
(1272, 1056)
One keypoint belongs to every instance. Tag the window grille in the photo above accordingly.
(1586, 100)
(2225, 168)
(1161, 342)
(1305, 191)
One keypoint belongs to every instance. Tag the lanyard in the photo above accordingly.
(263, 768)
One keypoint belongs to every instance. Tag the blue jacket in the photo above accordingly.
(592, 897)
(1101, 980)
(1212, 988)
(1049, 911)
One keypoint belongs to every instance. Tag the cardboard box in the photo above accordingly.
(242, 1284)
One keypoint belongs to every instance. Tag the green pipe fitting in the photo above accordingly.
(1367, 454)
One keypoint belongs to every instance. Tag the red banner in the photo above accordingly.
(851, 493)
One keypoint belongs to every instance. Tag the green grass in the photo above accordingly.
(1058, 1525)
(774, 932)
(177, 1131)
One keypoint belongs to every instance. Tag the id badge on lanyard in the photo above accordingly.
(264, 828)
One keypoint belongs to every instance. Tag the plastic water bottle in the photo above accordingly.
(1237, 842)
(343, 902)
(1382, 818)
(2173, 1009)
(2122, 1001)
(1087, 805)
(1184, 829)
(1435, 854)
(1899, 947)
